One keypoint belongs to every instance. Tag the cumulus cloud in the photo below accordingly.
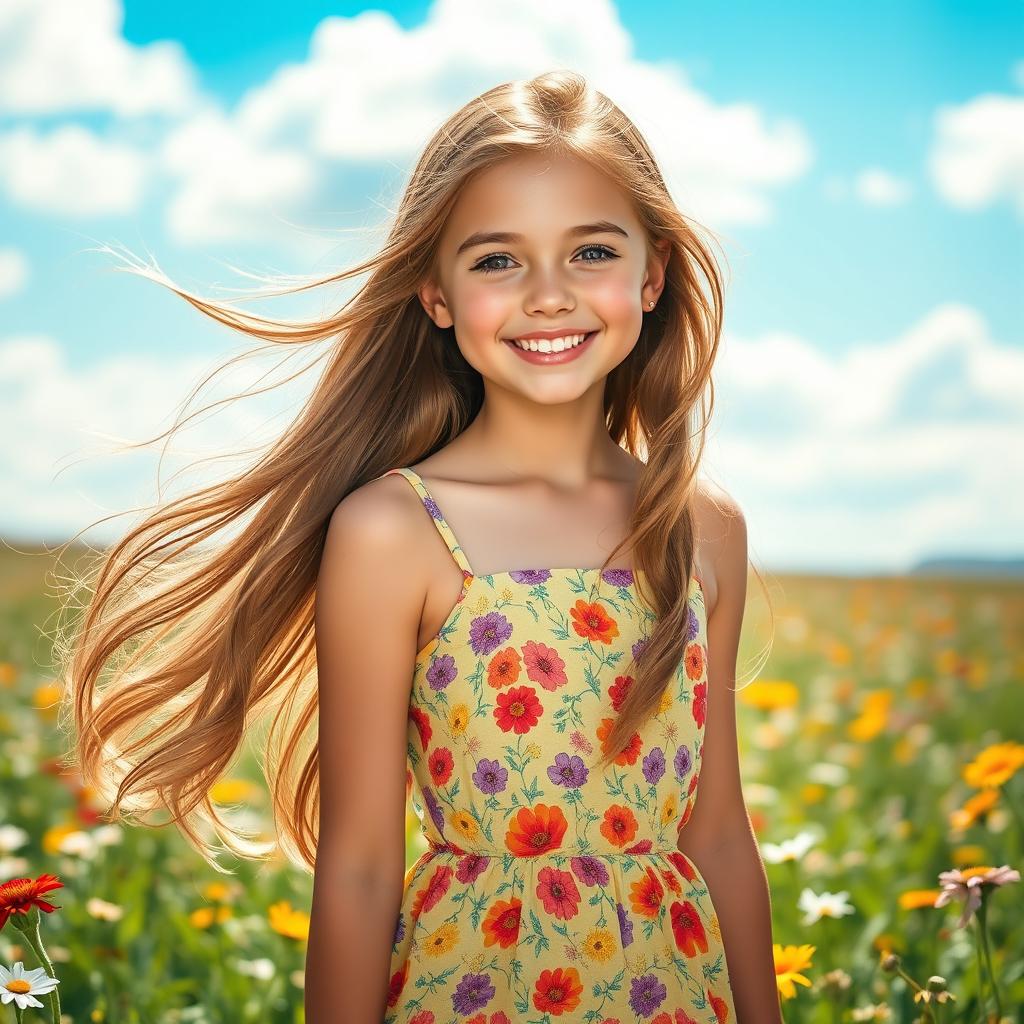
(13, 271)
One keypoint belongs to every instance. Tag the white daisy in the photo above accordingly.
(788, 849)
(827, 904)
(20, 985)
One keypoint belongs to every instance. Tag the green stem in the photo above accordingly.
(982, 912)
(19, 1013)
(30, 929)
(981, 973)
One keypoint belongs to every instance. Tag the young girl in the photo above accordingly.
(478, 570)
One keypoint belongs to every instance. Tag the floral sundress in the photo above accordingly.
(550, 892)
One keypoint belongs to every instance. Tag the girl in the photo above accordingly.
(478, 570)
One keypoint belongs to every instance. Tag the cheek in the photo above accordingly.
(483, 313)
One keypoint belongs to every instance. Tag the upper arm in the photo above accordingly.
(368, 604)
(719, 812)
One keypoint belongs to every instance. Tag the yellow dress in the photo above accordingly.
(550, 892)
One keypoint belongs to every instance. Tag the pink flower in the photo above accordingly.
(967, 885)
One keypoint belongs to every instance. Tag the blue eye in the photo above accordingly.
(605, 254)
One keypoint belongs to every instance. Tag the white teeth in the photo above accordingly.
(549, 344)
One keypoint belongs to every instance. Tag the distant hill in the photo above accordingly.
(952, 565)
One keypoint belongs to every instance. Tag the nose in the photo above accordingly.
(548, 296)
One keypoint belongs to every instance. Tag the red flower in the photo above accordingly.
(700, 703)
(688, 928)
(20, 895)
(535, 830)
(592, 622)
(618, 690)
(441, 763)
(558, 991)
(501, 925)
(422, 722)
(518, 710)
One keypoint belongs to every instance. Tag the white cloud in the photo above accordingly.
(13, 271)
(71, 171)
(977, 157)
(876, 186)
(61, 56)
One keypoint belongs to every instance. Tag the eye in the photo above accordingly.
(604, 255)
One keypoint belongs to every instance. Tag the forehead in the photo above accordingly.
(538, 196)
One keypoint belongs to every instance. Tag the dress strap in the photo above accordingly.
(435, 514)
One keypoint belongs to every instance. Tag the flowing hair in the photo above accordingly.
(186, 640)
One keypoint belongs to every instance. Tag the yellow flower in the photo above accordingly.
(53, 837)
(293, 924)
(770, 694)
(217, 892)
(789, 961)
(873, 717)
(914, 898)
(995, 765)
(714, 928)
(599, 945)
(205, 916)
(970, 853)
(463, 823)
(46, 699)
(441, 940)
(812, 792)
(533, 750)
(8, 674)
(230, 791)
(670, 809)
(458, 718)
(667, 700)
(974, 809)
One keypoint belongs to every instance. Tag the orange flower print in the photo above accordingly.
(720, 1006)
(429, 896)
(558, 892)
(501, 925)
(618, 690)
(544, 665)
(619, 825)
(693, 658)
(504, 668)
(629, 753)
(440, 763)
(592, 622)
(499, 1017)
(671, 882)
(536, 830)
(422, 722)
(646, 895)
(687, 928)
(518, 710)
(700, 704)
(558, 991)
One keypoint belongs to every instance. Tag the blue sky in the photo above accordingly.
(864, 168)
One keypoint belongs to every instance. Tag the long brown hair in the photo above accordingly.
(202, 636)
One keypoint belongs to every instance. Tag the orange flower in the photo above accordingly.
(789, 962)
(536, 830)
(693, 658)
(501, 925)
(592, 622)
(912, 899)
(995, 765)
(720, 1006)
(293, 924)
(504, 668)
(632, 749)
(646, 895)
(688, 928)
(558, 991)
(619, 825)
(20, 895)
(975, 808)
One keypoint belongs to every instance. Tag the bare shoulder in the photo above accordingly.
(722, 545)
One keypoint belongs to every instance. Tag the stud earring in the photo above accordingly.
(650, 305)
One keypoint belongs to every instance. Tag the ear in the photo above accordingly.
(657, 261)
(432, 299)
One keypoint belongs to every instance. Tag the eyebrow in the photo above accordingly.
(493, 237)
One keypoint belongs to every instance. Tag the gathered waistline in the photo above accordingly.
(434, 849)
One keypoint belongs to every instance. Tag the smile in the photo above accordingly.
(547, 351)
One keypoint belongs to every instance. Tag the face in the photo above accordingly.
(570, 258)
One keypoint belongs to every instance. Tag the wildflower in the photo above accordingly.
(20, 895)
(788, 849)
(12, 838)
(994, 765)
(966, 885)
(872, 1012)
(828, 904)
(914, 898)
(770, 694)
(934, 992)
(21, 987)
(975, 808)
(293, 924)
(103, 911)
(789, 962)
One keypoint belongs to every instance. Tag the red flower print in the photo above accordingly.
(720, 1006)
(619, 825)
(397, 983)
(682, 863)
(544, 665)
(518, 710)
(618, 690)
(20, 895)
(646, 895)
(592, 622)
(558, 991)
(423, 1017)
(693, 658)
(504, 668)
(536, 830)
(700, 704)
(687, 928)
(422, 722)
(501, 925)
(629, 753)
(558, 892)
(430, 895)
(671, 882)
(441, 762)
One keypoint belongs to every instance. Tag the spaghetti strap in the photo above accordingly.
(439, 520)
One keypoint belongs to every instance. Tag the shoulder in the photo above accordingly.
(722, 542)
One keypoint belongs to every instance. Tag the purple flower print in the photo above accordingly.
(683, 762)
(568, 771)
(589, 870)
(488, 632)
(437, 816)
(473, 993)
(654, 765)
(646, 994)
(531, 576)
(618, 577)
(625, 926)
(637, 648)
(400, 930)
(691, 624)
(431, 507)
(490, 777)
(441, 672)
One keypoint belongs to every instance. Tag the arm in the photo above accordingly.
(368, 606)
(719, 838)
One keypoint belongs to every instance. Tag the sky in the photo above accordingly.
(862, 167)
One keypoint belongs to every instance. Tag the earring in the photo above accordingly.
(650, 305)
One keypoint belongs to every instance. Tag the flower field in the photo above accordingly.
(882, 747)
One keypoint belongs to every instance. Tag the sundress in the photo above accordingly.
(548, 891)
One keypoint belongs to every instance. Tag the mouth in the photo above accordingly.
(543, 350)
